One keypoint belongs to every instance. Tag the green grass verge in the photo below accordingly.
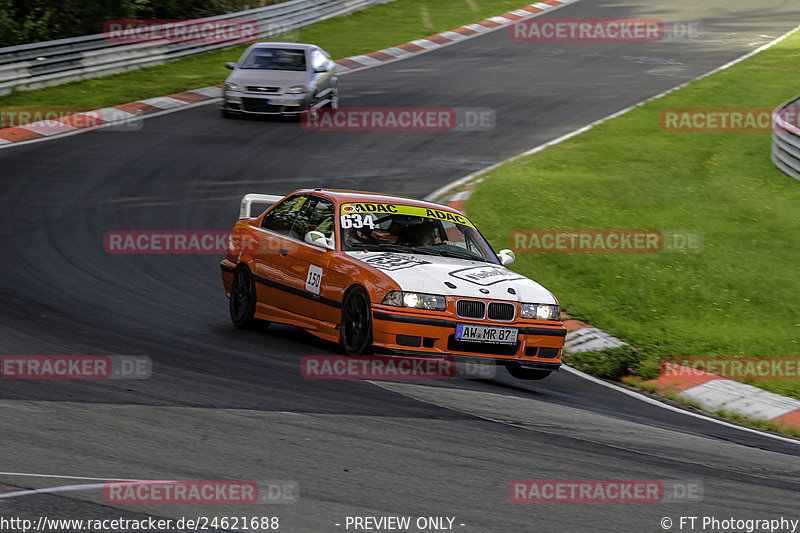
(371, 29)
(738, 296)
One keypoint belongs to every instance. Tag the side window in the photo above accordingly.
(323, 218)
(281, 218)
(317, 215)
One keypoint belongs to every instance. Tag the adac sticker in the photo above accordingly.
(399, 209)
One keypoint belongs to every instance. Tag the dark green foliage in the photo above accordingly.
(30, 21)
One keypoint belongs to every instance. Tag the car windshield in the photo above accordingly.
(410, 229)
(275, 59)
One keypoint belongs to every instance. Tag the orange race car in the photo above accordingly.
(374, 271)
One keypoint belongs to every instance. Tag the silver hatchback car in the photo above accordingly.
(280, 79)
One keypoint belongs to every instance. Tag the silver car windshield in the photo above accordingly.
(414, 234)
(275, 59)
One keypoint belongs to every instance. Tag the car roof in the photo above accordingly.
(344, 196)
(299, 46)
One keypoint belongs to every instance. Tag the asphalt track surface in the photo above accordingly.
(226, 404)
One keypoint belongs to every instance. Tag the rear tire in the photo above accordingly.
(243, 298)
(526, 373)
(356, 327)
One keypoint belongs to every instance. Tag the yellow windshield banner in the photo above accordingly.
(400, 209)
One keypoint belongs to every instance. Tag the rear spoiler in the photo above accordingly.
(249, 199)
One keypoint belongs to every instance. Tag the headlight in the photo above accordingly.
(297, 89)
(233, 87)
(416, 300)
(540, 311)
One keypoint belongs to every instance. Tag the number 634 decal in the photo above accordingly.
(357, 220)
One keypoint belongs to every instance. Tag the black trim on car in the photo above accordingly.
(543, 331)
(443, 323)
(288, 288)
(461, 358)
(297, 292)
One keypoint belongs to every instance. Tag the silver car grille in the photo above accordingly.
(261, 89)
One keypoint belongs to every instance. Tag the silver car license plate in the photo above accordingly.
(283, 101)
(486, 334)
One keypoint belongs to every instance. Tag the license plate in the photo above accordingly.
(283, 101)
(486, 334)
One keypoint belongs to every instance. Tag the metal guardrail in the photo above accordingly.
(37, 65)
(786, 138)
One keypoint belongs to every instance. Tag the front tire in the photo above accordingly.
(526, 373)
(334, 101)
(243, 298)
(356, 327)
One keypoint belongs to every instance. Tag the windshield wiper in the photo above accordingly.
(374, 247)
(461, 255)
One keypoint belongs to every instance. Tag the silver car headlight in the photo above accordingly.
(540, 311)
(297, 89)
(233, 87)
(416, 300)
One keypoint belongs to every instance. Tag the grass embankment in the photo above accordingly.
(738, 296)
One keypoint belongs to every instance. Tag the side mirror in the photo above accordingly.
(325, 67)
(230, 65)
(506, 256)
(317, 238)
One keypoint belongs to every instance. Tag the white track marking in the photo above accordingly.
(64, 488)
(73, 488)
(652, 401)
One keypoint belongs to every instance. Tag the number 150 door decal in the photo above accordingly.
(314, 279)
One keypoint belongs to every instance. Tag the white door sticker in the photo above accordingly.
(314, 279)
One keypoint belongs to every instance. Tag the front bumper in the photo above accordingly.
(539, 343)
(265, 104)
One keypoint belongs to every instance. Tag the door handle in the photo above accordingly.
(283, 251)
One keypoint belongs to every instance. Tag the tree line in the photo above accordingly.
(30, 21)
